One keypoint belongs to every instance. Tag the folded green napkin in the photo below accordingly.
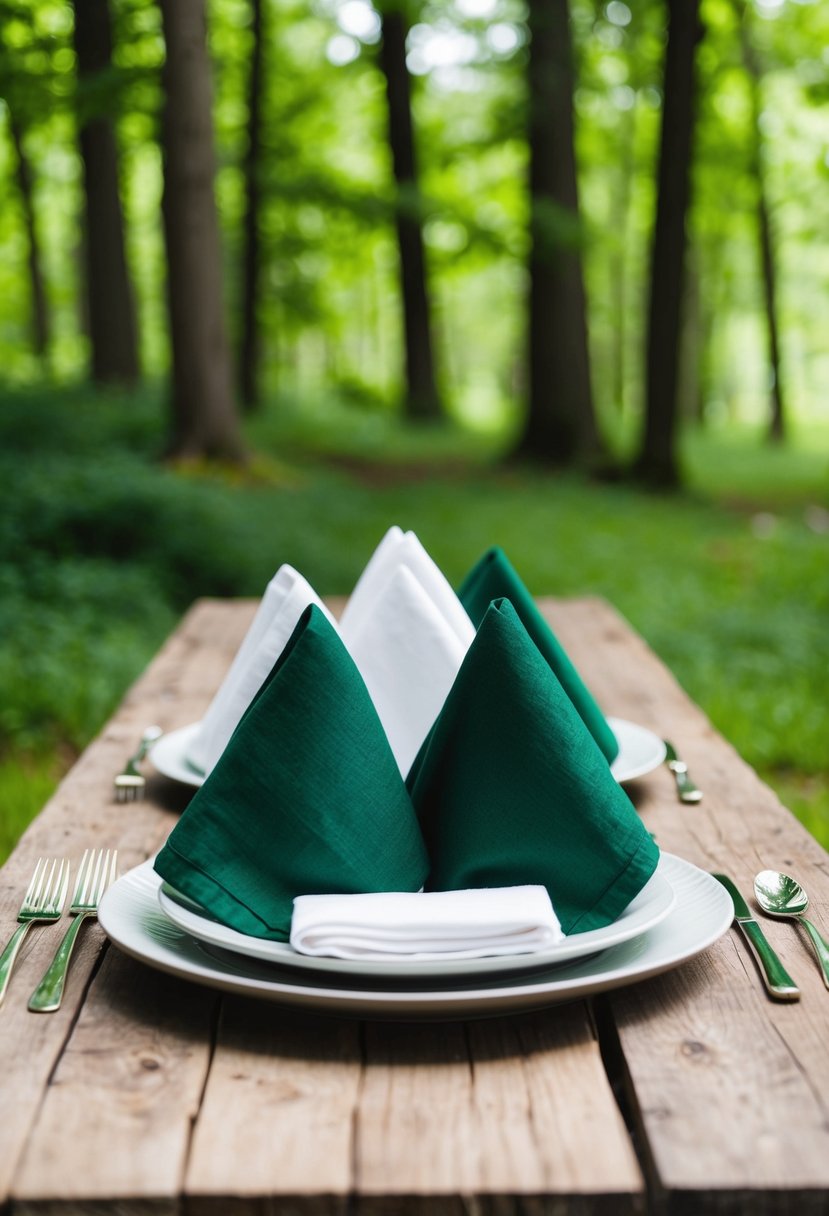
(511, 788)
(306, 798)
(494, 578)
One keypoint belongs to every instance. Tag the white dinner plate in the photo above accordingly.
(131, 916)
(651, 905)
(169, 755)
(640, 751)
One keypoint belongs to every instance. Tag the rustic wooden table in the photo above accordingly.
(687, 1093)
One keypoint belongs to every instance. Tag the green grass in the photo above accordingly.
(102, 548)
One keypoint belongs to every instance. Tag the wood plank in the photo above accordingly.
(277, 1120)
(729, 1088)
(173, 690)
(115, 1122)
(504, 1111)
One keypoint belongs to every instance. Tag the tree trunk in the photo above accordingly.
(561, 426)
(620, 203)
(657, 461)
(204, 416)
(112, 323)
(40, 319)
(768, 261)
(250, 341)
(422, 400)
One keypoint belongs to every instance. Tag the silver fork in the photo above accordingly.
(129, 784)
(44, 900)
(97, 871)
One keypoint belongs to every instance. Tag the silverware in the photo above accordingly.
(44, 900)
(688, 792)
(129, 784)
(782, 896)
(96, 872)
(779, 984)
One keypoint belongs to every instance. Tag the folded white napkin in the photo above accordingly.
(403, 548)
(426, 925)
(408, 656)
(286, 598)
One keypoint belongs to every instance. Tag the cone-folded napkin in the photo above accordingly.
(408, 654)
(403, 548)
(494, 577)
(306, 798)
(286, 597)
(510, 787)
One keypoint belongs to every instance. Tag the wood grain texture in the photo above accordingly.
(116, 1117)
(731, 1090)
(496, 1110)
(279, 1107)
(173, 691)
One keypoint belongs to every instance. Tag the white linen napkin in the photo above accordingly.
(408, 655)
(430, 925)
(403, 548)
(286, 598)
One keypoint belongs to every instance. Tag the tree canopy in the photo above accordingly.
(327, 299)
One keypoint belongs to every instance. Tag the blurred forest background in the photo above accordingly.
(277, 274)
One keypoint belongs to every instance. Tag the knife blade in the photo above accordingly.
(779, 984)
(687, 790)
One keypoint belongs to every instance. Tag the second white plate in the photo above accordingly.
(129, 914)
(651, 905)
(640, 751)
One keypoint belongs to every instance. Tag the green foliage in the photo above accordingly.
(99, 551)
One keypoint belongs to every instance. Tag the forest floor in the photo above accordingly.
(102, 547)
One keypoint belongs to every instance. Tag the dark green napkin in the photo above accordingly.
(494, 578)
(511, 788)
(306, 798)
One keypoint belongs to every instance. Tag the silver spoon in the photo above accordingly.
(779, 895)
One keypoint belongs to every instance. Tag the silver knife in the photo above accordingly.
(779, 984)
(686, 789)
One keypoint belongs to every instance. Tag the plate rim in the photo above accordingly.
(640, 958)
(281, 954)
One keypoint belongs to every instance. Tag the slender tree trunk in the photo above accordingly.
(619, 277)
(561, 426)
(768, 261)
(112, 323)
(422, 399)
(250, 342)
(204, 415)
(40, 319)
(657, 461)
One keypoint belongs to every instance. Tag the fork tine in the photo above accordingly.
(95, 871)
(32, 887)
(39, 884)
(61, 887)
(81, 879)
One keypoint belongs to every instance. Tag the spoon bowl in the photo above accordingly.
(781, 895)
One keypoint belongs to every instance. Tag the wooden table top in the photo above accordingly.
(688, 1093)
